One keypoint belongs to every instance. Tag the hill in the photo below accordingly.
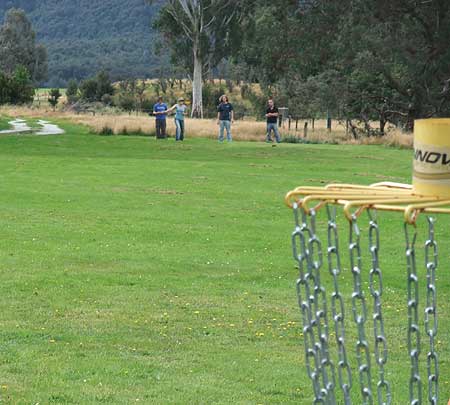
(84, 36)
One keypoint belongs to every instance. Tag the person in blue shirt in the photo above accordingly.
(180, 111)
(160, 111)
(225, 116)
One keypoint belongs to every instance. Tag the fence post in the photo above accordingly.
(283, 115)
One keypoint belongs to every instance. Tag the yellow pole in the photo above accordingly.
(431, 174)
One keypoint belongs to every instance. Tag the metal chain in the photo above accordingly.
(304, 300)
(376, 290)
(311, 294)
(337, 305)
(415, 382)
(315, 262)
(360, 313)
(431, 262)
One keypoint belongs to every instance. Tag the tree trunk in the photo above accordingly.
(353, 129)
(197, 84)
(382, 124)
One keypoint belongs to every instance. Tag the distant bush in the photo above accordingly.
(257, 101)
(297, 139)
(88, 90)
(293, 139)
(72, 92)
(106, 131)
(125, 101)
(147, 105)
(241, 110)
(107, 99)
(245, 91)
(53, 98)
(16, 88)
(211, 96)
(135, 132)
(98, 88)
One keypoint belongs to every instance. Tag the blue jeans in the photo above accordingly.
(179, 134)
(272, 126)
(227, 125)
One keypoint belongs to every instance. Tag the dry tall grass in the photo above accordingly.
(241, 130)
(244, 130)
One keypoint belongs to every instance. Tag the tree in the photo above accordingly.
(18, 46)
(393, 65)
(410, 50)
(200, 34)
(95, 88)
(88, 90)
(72, 92)
(16, 88)
(54, 97)
(4, 88)
(104, 85)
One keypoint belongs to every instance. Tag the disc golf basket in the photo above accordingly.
(344, 329)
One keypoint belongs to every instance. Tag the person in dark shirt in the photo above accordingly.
(225, 116)
(160, 111)
(272, 119)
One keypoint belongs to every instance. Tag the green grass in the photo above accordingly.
(136, 269)
(32, 123)
(4, 123)
(44, 91)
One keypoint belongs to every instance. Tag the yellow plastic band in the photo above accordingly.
(429, 192)
(355, 199)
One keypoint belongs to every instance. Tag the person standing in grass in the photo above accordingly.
(272, 121)
(160, 111)
(180, 111)
(225, 117)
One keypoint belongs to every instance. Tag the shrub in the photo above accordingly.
(53, 98)
(72, 92)
(88, 90)
(95, 88)
(245, 91)
(107, 99)
(134, 132)
(126, 102)
(211, 96)
(106, 131)
(297, 139)
(147, 105)
(16, 88)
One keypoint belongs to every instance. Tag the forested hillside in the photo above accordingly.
(84, 36)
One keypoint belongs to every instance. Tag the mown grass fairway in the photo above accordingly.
(142, 270)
